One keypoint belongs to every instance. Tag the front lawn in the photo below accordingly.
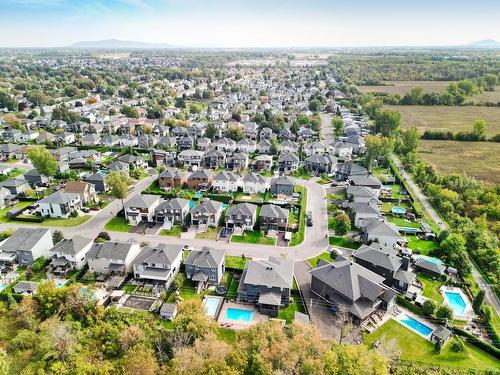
(118, 224)
(416, 348)
(343, 242)
(210, 234)
(175, 231)
(431, 288)
(314, 261)
(69, 222)
(423, 247)
(289, 312)
(3, 212)
(400, 222)
(235, 262)
(254, 237)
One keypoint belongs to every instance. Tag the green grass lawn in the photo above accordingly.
(431, 288)
(3, 212)
(65, 223)
(302, 174)
(210, 234)
(422, 246)
(343, 242)
(331, 223)
(314, 261)
(400, 222)
(298, 237)
(15, 172)
(118, 224)
(235, 262)
(227, 278)
(227, 335)
(289, 312)
(254, 238)
(232, 292)
(175, 231)
(396, 192)
(129, 288)
(187, 291)
(416, 348)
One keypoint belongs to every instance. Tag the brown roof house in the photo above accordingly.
(85, 190)
(172, 178)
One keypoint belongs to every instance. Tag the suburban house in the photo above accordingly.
(70, 254)
(214, 159)
(366, 181)
(26, 288)
(137, 161)
(173, 211)
(288, 162)
(205, 266)
(319, 163)
(16, 186)
(190, 158)
(267, 283)
(362, 194)
(59, 204)
(428, 266)
(118, 166)
(241, 216)
(112, 257)
(253, 183)
(273, 217)
(262, 162)
(237, 161)
(171, 178)
(348, 284)
(158, 265)
(201, 179)
(206, 214)
(288, 146)
(35, 178)
(364, 211)
(99, 182)
(141, 208)
(264, 147)
(162, 157)
(381, 231)
(246, 145)
(85, 190)
(388, 263)
(282, 186)
(25, 246)
(226, 182)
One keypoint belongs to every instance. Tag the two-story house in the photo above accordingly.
(241, 216)
(288, 162)
(273, 217)
(59, 204)
(253, 183)
(112, 257)
(69, 254)
(205, 266)
(158, 265)
(282, 186)
(206, 214)
(141, 208)
(25, 246)
(226, 182)
(200, 179)
(174, 211)
(171, 179)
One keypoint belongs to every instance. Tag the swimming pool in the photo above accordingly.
(239, 314)
(456, 302)
(211, 305)
(191, 204)
(2, 286)
(416, 326)
(398, 210)
(429, 259)
(60, 283)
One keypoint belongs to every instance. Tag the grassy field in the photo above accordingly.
(488, 96)
(478, 159)
(118, 224)
(403, 87)
(448, 118)
(343, 242)
(254, 238)
(415, 348)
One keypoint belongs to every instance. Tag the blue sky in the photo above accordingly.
(250, 23)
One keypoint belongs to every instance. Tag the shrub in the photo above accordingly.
(458, 346)
(444, 312)
(104, 235)
(429, 307)
(74, 213)
(57, 236)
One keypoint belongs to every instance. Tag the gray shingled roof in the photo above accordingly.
(71, 246)
(272, 210)
(110, 250)
(245, 209)
(174, 203)
(274, 272)
(24, 239)
(161, 254)
(378, 258)
(206, 257)
(142, 200)
(207, 205)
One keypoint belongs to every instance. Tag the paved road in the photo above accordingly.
(490, 295)
(326, 127)
(314, 242)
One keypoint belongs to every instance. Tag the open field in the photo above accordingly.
(478, 159)
(403, 87)
(488, 96)
(448, 118)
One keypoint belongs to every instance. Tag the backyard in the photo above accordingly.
(3, 212)
(289, 312)
(400, 222)
(253, 237)
(413, 347)
(431, 287)
(423, 247)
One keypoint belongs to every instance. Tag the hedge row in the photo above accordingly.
(408, 305)
(471, 339)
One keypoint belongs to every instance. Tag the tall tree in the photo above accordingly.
(118, 183)
(43, 160)
(387, 122)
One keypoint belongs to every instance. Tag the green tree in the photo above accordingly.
(416, 94)
(315, 105)
(118, 182)
(235, 133)
(387, 122)
(43, 161)
(377, 149)
(57, 236)
(477, 304)
(7, 101)
(342, 223)
(478, 129)
(210, 131)
(408, 141)
(444, 313)
(129, 111)
(428, 307)
(338, 125)
(4, 365)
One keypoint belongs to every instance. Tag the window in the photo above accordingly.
(212, 277)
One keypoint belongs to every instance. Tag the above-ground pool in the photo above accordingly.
(398, 210)
(239, 314)
(429, 259)
(456, 302)
(416, 326)
(211, 305)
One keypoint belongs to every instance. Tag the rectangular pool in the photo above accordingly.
(429, 259)
(239, 314)
(416, 326)
(211, 305)
(456, 302)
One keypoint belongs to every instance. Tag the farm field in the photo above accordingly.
(478, 159)
(403, 87)
(488, 96)
(448, 118)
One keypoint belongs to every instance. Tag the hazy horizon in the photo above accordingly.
(255, 24)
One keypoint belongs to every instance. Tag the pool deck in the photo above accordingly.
(239, 324)
(219, 306)
(468, 312)
(405, 313)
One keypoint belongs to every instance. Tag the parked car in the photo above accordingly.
(223, 233)
(309, 218)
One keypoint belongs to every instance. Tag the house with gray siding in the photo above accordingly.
(205, 266)
(282, 186)
(158, 265)
(25, 246)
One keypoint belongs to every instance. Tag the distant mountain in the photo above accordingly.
(486, 43)
(118, 44)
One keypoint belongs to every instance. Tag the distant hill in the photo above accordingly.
(118, 44)
(486, 43)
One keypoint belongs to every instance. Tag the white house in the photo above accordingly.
(59, 204)
(112, 257)
(226, 182)
(253, 183)
(70, 254)
(158, 264)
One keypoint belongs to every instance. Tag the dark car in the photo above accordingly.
(309, 218)
(223, 233)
